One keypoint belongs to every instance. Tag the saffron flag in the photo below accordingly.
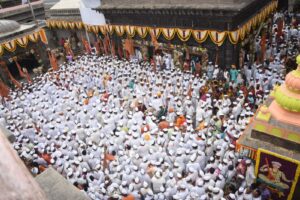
(129, 47)
(10, 76)
(263, 46)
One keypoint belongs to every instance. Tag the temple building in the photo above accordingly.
(221, 27)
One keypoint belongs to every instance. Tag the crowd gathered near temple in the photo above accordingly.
(120, 129)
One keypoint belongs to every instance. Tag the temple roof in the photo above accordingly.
(175, 4)
(66, 4)
(10, 29)
(8, 26)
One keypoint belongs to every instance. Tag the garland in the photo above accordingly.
(23, 41)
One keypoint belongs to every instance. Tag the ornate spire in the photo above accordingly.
(288, 94)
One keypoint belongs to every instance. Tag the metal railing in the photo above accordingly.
(246, 151)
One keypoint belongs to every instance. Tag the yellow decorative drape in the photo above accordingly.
(34, 37)
(79, 25)
(65, 25)
(12, 45)
(22, 41)
(95, 29)
(119, 30)
(130, 30)
(234, 36)
(217, 37)
(156, 32)
(242, 33)
(103, 30)
(200, 36)
(184, 34)
(43, 36)
(168, 33)
(72, 25)
(59, 24)
(110, 29)
(142, 31)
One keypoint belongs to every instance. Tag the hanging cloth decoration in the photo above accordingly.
(59, 24)
(88, 28)
(53, 61)
(86, 45)
(19, 67)
(263, 44)
(4, 89)
(106, 44)
(129, 46)
(200, 36)
(113, 50)
(234, 36)
(95, 29)
(103, 30)
(119, 30)
(142, 31)
(10, 76)
(155, 32)
(242, 32)
(23, 41)
(110, 29)
(10, 46)
(217, 37)
(130, 31)
(120, 50)
(154, 40)
(68, 49)
(48, 23)
(33, 37)
(65, 25)
(72, 25)
(79, 25)
(43, 36)
(97, 46)
(168, 33)
(53, 24)
(184, 34)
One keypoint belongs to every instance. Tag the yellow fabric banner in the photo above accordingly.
(130, 30)
(217, 37)
(168, 33)
(22, 42)
(119, 30)
(200, 36)
(184, 34)
(11, 46)
(142, 31)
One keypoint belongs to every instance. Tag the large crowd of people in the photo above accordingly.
(118, 129)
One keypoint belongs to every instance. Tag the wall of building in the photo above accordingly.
(89, 15)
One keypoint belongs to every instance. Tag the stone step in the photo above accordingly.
(56, 187)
